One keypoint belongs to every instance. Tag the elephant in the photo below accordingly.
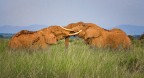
(95, 36)
(39, 39)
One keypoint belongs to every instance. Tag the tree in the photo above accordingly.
(131, 37)
(1, 36)
(141, 37)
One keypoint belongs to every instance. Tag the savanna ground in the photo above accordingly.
(79, 61)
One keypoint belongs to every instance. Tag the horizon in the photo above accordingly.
(129, 29)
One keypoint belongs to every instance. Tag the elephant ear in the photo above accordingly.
(92, 32)
(57, 32)
(50, 38)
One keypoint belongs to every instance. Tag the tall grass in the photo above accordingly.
(79, 61)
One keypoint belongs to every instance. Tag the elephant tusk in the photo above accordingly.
(66, 29)
(75, 33)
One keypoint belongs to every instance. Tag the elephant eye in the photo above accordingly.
(83, 25)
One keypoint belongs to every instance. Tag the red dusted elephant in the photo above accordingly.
(39, 39)
(95, 36)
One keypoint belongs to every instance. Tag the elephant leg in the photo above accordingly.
(115, 46)
(44, 46)
(97, 42)
(126, 45)
(66, 42)
(89, 42)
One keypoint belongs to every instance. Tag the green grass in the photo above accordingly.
(79, 61)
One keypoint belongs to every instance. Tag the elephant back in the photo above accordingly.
(24, 32)
(117, 31)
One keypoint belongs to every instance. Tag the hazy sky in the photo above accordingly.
(63, 12)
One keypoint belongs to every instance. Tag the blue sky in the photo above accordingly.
(62, 12)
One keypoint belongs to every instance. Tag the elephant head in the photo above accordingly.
(89, 30)
(54, 33)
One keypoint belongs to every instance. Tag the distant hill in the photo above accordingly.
(14, 29)
(6, 35)
(131, 29)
